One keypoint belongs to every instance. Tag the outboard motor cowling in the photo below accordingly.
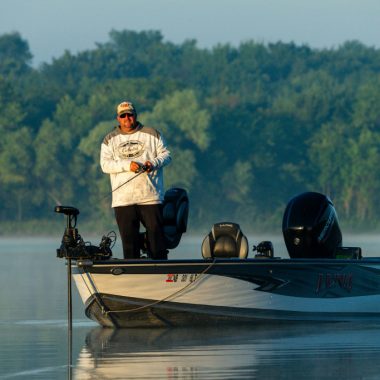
(310, 227)
(225, 240)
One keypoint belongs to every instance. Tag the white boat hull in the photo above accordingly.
(122, 294)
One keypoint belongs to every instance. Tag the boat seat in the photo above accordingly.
(225, 240)
(175, 211)
(175, 214)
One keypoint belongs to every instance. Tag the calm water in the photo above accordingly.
(33, 332)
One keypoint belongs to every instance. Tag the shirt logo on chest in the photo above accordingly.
(130, 149)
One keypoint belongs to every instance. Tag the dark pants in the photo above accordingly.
(128, 219)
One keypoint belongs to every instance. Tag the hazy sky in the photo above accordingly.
(53, 26)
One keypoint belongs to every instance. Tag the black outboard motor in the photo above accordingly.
(226, 240)
(310, 227)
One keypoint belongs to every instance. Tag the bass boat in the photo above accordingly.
(320, 281)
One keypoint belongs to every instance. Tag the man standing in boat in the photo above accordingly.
(134, 150)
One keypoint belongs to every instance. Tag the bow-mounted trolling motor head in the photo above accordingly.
(71, 239)
(73, 246)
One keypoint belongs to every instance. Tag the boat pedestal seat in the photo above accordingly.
(175, 211)
(225, 240)
(175, 215)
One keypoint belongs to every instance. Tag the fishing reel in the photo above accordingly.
(74, 247)
(142, 169)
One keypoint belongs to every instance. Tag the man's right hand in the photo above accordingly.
(135, 167)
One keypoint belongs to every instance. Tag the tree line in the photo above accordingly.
(249, 126)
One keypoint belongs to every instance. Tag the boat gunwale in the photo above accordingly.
(233, 261)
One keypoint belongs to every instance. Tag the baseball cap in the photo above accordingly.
(126, 107)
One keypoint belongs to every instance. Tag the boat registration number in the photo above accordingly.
(183, 277)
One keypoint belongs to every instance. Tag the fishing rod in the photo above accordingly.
(142, 169)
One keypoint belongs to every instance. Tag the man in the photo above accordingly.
(134, 150)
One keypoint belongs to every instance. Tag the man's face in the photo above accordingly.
(127, 121)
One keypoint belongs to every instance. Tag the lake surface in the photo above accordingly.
(34, 339)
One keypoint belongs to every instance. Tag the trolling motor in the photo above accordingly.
(73, 246)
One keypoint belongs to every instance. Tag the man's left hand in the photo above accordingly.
(149, 166)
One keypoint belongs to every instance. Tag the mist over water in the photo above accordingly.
(33, 329)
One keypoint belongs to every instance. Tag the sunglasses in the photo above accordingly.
(124, 115)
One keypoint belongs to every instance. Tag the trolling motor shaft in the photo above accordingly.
(70, 241)
(74, 248)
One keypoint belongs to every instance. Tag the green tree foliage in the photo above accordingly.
(184, 124)
(249, 126)
(17, 159)
(15, 56)
(12, 112)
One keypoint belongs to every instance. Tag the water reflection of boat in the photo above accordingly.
(262, 351)
(321, 281)
(157, 353)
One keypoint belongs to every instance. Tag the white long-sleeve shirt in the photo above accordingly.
(119, 149)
